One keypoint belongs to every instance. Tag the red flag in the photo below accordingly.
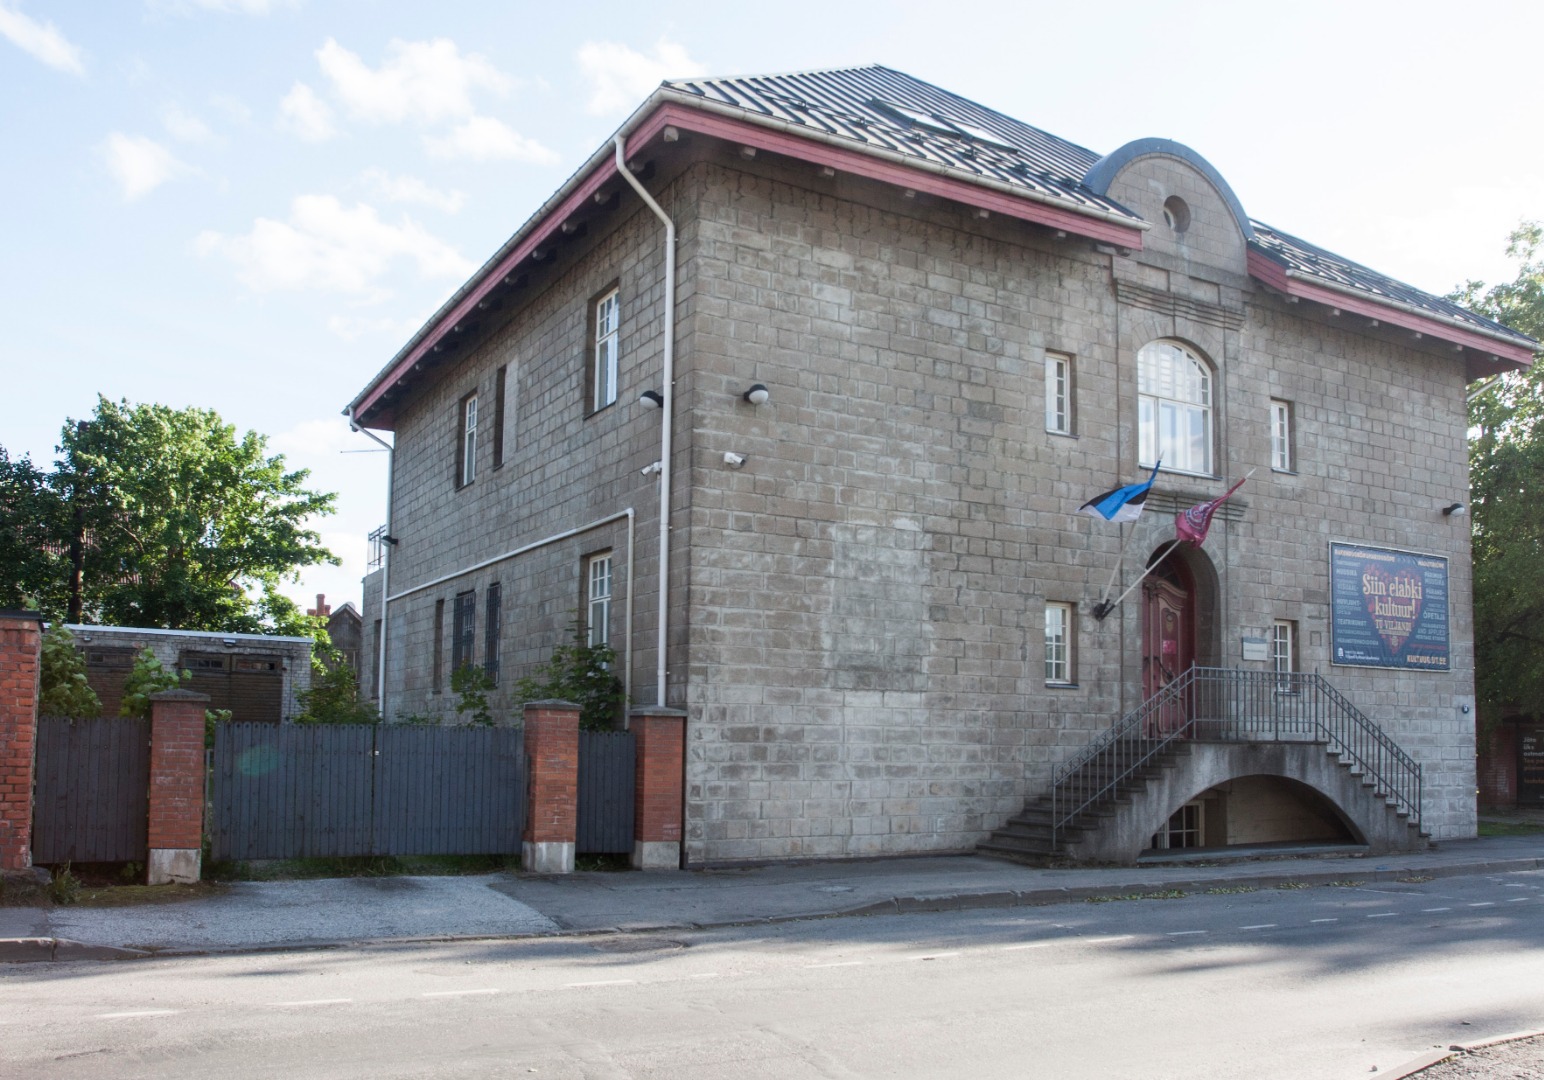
(1192, 524)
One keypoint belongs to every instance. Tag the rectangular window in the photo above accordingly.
(603, 374)
(1058, 393)
(1284, 653)
(1058, 644)
(375, 663)
(437, 673)
(500, 385)
(1281, 436)
(463, 631)
(492, 616)
(597, 599)
(466, 441)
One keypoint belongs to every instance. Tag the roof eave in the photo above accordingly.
(1505, 350)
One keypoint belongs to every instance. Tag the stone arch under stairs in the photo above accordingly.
(1124, 830)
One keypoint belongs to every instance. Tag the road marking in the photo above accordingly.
(1431, 910)
(142, 1012)
(704, 975)
(457, 993)
(603, 982)
(1260, 926)
(1029, 945)
(1325, 920)
(313, 1001)
(1184, 933)
(934, 956)
(1383, 915)
(1484, 903)
(840, 963)
(1519, 900)
(1104, 940)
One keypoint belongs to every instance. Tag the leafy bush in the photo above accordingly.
(471, 684)
(334, 697)
(65, 691)
(580, 673)
(148, 676)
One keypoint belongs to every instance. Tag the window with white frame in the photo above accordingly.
(1284, 652)
(603, 375)
(466, 451)
(597, 599)
(1281, 435)
(1058, 393)
(1058, 644)
(1174, 408)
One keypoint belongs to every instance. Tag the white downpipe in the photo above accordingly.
(386, 546)
(666, 391)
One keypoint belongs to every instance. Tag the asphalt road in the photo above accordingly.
(1329, 981)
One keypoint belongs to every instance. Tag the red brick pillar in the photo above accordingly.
(552, 789)
(176, 786)
(21, 642)
(658, 784)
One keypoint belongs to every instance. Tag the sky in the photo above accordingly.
(251, 205)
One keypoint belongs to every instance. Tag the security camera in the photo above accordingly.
(733, 460)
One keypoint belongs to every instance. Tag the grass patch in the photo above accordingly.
(1510, 828)
(1345, 884)
(1293, 885)
(1415, 879)
(1230, 890)
(136, 895)
(360, 866)
(1163, 894)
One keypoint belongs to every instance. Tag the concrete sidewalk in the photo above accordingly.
(309, 914)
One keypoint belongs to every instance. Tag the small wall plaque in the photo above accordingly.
(1257, 648)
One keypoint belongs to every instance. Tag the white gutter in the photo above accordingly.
(627, 660)
(386, 546)
(667, 393)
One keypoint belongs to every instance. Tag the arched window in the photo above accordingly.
(1174, 408)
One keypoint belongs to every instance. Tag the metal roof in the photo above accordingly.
(880, 107)
(889, 110)
(1305, 260)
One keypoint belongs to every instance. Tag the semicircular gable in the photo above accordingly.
(1099, 178)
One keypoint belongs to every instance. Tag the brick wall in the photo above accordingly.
(657, 787)
(1497, 766)
(177, 770)
(552, 745)
(20, 643)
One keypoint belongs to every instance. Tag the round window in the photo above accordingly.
(1176, 215)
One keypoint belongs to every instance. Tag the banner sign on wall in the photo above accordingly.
(1388, 608)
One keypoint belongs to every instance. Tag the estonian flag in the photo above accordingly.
(1123, 503)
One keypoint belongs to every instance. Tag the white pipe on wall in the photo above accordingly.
(667, 393)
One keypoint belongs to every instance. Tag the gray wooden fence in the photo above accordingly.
(605, 817)
(296, 791)
(92, 795)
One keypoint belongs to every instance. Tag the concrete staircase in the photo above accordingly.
(1027, 837)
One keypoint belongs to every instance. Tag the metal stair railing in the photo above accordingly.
(1230, 705)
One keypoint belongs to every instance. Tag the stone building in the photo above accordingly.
(905, 338)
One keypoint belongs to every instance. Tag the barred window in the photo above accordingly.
(463, 631)
(492, 619)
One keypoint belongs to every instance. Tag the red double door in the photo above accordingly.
(1168, 639)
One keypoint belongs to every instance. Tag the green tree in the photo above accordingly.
(33, 569)
(166, 518)
(148, 676)
(1506, 476)
(64, 690)
(471, 684)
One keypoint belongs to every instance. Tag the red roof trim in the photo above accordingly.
(1275, 275)
(750, 134)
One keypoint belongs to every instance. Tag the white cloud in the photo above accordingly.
(620, 78)
(184, 125)
(425, 81)
(410, 189)
(41, 39)
(352, 327)
(247, 7)
(331, 247)
(233, 108)
(482, 138)
(140, 165)
(305, 115)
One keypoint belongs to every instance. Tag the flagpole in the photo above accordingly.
(1120, 558)
(1105, 608)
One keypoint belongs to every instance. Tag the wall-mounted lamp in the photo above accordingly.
(392, 540)
(1456, 510)
(733, 460)
(651, 399)
(229, 643)
(757, 394)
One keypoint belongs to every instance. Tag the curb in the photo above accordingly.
(25, 950)
(1417, 1065)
